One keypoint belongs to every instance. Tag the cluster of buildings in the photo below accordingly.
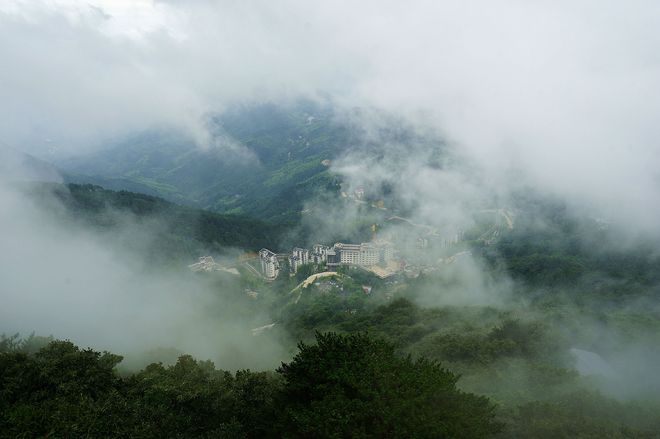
(367, 254)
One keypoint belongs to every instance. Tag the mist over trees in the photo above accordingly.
(514, 356)
(503, 157)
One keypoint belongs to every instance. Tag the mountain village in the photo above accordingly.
(375, 256)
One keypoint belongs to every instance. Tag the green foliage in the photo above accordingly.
(193, 399)
(342, 386)
(520, 361)
(355, 386)
(550, 247)
(61, 390)
(581, 415)
(306, 270)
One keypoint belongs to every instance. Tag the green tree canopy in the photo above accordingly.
(356, 386)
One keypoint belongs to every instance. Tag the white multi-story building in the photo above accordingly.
(270, 266)
(386, 249)
(365, 254)
(453, 239)
(299, 256)
(348, 254)
(322, 254)
(302, 254)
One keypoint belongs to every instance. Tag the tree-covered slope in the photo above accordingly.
(258, 157)
(342, 386)
(175, 231)
(552, 247)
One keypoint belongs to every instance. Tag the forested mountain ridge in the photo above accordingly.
(182, 232)
(552, 247)
(258, 155)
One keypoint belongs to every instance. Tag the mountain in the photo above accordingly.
(180, 232)
(264, 161)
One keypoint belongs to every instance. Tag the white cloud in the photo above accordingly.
(567, 92)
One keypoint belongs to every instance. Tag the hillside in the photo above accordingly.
(521, 352)
(281, 153)
(180, 232)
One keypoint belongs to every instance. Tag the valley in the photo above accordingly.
(295, 219)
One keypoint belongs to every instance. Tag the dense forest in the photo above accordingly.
(385, 384)
(550, 247)
(519, 358)
(341, 386)
(398, 361)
